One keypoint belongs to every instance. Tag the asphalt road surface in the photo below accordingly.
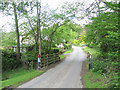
(64, 75)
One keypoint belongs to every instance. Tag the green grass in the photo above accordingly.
(62, 56)
(68, 51)
(19, 76)
(93, 79)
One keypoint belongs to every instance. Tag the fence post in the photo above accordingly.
(58, 56)
(44, 60)
(47, 60)
(39, 62)
(54, 58)
(90, 59)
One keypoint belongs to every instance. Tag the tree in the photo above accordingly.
(38, 24)
(103, 33)
(6, 8)
(62, 34)
(32, 23)
(8, 39)
(17, 31)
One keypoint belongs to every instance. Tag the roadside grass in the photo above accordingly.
(92, 79)
(62, 56)
(69, 51)
(19, 76)
(16, 77)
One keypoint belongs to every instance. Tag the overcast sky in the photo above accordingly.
(6, 20)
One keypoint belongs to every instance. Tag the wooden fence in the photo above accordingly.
(48, 59)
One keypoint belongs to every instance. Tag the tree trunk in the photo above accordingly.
(38, 25)
(50, 44)
(71, 38)
(35, 35)
(36, 46)
(36, 42)
(17, 33)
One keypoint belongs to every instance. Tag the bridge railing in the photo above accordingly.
(48, 59)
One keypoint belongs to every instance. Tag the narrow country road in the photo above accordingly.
(64, 75)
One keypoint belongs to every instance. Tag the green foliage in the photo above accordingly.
(94, 80)
(68, 51)
(67, 46)
(94, 52)
(75, 42)
(62, 33)
(8, 39)
(62, 56)
(30, 55)
(19, 76)
(55, 50)
(9, 60)
(103, 33)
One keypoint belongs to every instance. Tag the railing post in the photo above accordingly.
(44, 60)
(90, 59)
(53, 58)
(39, 63)
(59, 56)
(47, 60)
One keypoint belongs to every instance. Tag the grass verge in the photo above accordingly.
(92, 79)
(69, 51)
(62, 56)
(19, 76)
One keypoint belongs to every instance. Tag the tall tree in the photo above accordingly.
(38, 23)
(17, 31)
(8, 8)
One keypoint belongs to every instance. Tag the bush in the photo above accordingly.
(75, 42)
(102, 64)
(30, 55)
(67, 46)
(9, 60)
(55, 50)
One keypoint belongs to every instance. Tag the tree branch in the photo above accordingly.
(30, 24)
